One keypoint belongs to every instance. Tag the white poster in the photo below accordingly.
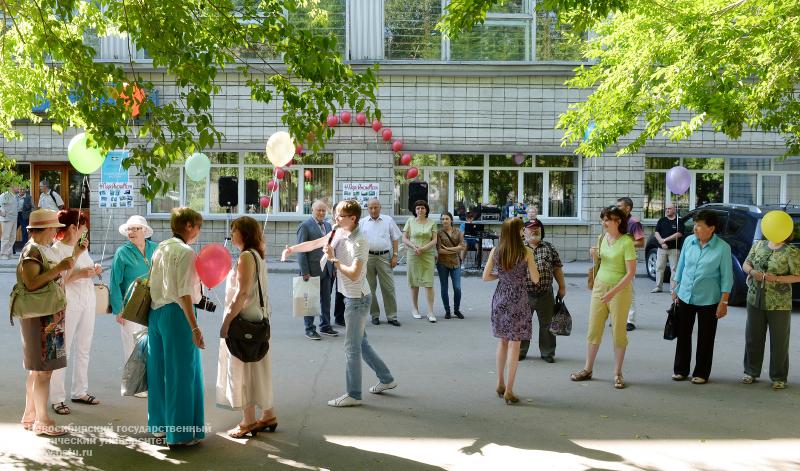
(361, 192)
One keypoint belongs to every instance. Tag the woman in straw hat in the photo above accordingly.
(42, 337)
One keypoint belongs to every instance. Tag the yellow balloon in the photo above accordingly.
(280, 148)
(777, 226)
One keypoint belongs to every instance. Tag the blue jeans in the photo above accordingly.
(455, 275)
(325, 288)
(356, 312)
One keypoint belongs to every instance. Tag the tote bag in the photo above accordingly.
(305, 296)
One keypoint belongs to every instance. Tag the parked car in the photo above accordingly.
(739, 226)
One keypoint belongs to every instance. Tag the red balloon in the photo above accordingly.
(332, 120)
(376, 125)
(298, 149)
(346, 117)
(397, 145)
(361, 118)
(279, 173)
(272, 186)
(412, 173)
(405, 159)
(212, 264)
(308, 174)
(265, 201)
(387, 135)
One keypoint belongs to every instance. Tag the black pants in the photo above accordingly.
(706, 332)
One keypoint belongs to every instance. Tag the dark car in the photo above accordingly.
(739, 226)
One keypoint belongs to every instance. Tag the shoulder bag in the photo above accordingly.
(137, 308)
(47, 300)
(595, 264)
(247, 340)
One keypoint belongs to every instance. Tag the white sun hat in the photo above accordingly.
(136, 221)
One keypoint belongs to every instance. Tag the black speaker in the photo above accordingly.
(417, 191)
(228, 191)
(251, 191)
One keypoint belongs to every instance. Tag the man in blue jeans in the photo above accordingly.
(350, 257)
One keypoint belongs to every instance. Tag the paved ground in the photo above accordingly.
(444, 414)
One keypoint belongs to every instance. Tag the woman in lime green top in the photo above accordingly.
(612, 293)
(419, 236)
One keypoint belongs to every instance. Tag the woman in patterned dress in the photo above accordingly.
(511, 316)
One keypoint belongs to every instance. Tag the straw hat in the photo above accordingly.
(43, 218)
(136, 221)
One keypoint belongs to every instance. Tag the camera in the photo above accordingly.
(206, 304)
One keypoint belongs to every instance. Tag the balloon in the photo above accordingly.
(85, 159)
(298, 149)
(280, 148)
(397, 146)
(308, 187)
(777, 226)
(272, 186)
(386, 134)
(405, 159)
(279, 173)
(346, 117)
(212, 264)
(678, 180)
(519, 158)
(307, 174)
(197, 166)
(412, 173)
(332, 120)
(361, 118)
(376, 125)
(264, 201)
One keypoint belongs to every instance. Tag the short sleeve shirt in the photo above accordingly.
(635, 228)
(666, 227)
(781, 262)
(174, 275)
(50, 200)
(348, 249)
(547, 260)
(613, 258)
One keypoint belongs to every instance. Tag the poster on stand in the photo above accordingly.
(115, 190)
(361, 192)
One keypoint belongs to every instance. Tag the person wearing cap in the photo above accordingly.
(131, 261)
(540, 295)
(43, 349)
(80, 312)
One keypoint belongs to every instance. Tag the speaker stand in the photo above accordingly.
(227, 227)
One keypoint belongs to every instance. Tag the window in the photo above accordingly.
(459, 182)
(328, 18)
(493, 42)
(556, 42)
(410, 30)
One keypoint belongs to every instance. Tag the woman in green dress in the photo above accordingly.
(419, 236)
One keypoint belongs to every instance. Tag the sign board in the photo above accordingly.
(361, 192)
(116, 190)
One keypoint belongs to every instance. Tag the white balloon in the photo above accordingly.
(280, 148)
(197, 167)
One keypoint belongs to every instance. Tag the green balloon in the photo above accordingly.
(309, 187)
(197, 166)
(85, 159)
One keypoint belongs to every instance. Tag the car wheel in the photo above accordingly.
(650, 261)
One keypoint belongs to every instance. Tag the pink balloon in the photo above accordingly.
(346, 117)
(412, 173)
(397, 146)
(519, 158)
(405, 159)
(361, 118)
(272, 186)
(279, 173)
(264, 201)
(376, 125)
(678, 180)
(386, 134)
(212, 264)
(308, 174)
(298, 149)
(332, 120)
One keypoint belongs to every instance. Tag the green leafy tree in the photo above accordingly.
(47, 53)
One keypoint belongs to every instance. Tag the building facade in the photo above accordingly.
(462, 108)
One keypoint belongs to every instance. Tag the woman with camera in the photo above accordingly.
(80, 312)
(174, 369)
(245, 386)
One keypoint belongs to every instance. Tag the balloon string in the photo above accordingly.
(105, 241)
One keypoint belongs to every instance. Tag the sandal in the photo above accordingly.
(699, 380)
(619, 382)
(242, 431)
(48, 429)
(27, 424)
(747, 379)
(61, 408)
(270, 425)
(677, 377)
(581, 375)
(776, 385)
(88, 399)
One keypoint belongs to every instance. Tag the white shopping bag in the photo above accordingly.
(305, 296)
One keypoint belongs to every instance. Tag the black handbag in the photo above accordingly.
(247, 340)
(670, 327)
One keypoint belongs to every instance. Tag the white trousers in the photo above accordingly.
(129, 330)
(661, 264)
(9, 236)
(78, 332)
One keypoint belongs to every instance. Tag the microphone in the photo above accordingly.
(333, 232)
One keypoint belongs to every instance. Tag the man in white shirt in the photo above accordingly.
(8, 222)
(49, 199)
(383, 236)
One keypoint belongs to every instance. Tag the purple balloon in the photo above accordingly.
(678, 180)
(519, 158)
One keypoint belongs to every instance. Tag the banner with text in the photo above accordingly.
(361, 192)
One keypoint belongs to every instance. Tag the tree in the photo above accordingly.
(673, 68)
(44, 56)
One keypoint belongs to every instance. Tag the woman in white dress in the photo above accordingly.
(80, 313)
(245, 386)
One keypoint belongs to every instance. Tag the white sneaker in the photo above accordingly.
(142, 394)
(344, 401)
(381, 387)
(656, 290)
(432, 318)
(415, 315)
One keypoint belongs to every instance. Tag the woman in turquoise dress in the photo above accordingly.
(419, 236)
